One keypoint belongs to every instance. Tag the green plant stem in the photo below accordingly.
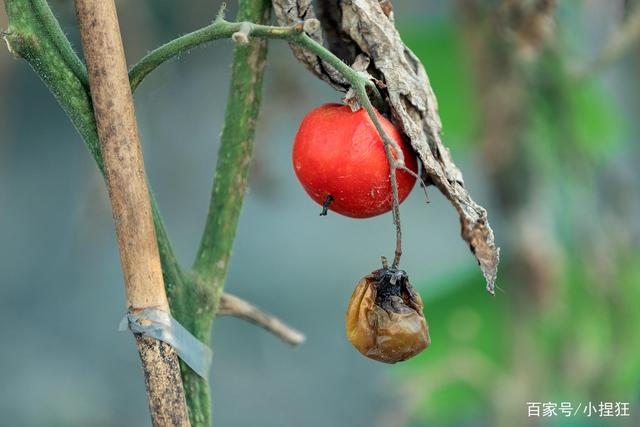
(221, 29)
(51, 25)
(230, 182)
(37, 16)
(28, 38)
(42, 45)
(234, 157)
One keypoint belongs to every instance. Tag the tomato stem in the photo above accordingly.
(396, 161)
(221, 29)
(385, 263)
(325, 205)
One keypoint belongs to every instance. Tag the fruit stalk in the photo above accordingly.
(394, 163)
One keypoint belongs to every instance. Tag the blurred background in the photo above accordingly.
(540, 112)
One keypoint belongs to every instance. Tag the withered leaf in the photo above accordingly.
(356, 27)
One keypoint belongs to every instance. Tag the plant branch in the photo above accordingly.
(57, 36)
(394, 164)
(229, 186)
(221, 29)
(36, 17)
(231, 305)
(29, 39)
(235, 151)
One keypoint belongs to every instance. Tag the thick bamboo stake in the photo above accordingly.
(126, 180)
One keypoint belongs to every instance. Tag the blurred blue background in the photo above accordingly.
(552, 157)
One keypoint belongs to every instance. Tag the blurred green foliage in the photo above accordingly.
(586, 340)
(441, 49)
(572, 113)
(466, 336)
(575, 340)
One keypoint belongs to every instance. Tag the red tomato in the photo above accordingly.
(338, 153)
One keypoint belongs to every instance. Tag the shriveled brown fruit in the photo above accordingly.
(384, 318)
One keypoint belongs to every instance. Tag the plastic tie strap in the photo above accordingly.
(160, 325)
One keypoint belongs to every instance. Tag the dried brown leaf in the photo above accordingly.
(366, 27)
